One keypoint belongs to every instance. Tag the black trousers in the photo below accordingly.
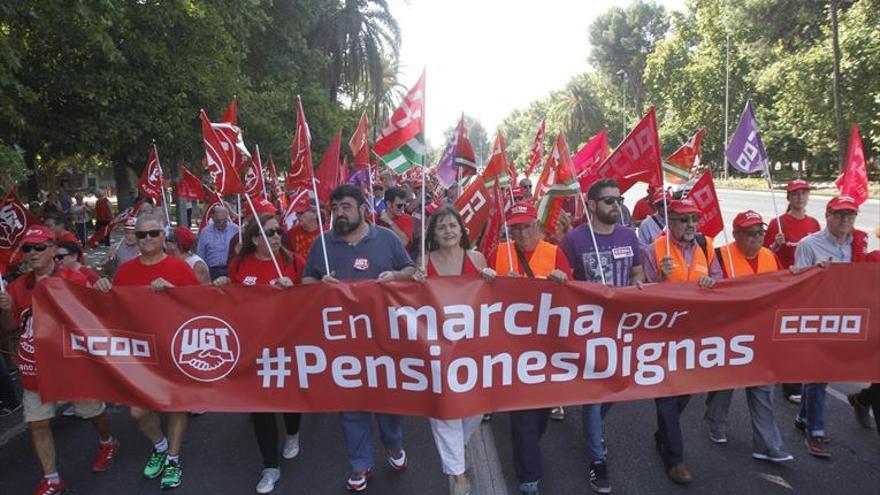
(526, 429)
(670, 442)
(98, 226)
(8, 397)
(266, 431)
(870, 397)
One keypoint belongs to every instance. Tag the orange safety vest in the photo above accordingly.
(681, 272)
(542, 262)
(742, 267)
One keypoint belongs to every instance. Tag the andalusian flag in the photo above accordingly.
(401, 144)
(678, 166)
(557, 182)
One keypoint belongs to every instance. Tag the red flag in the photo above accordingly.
(637, 159)
(537, 151)
(189, 186)
(557, 182)
(359, 144)
(497, 170)
(275, 184)
(473, 205)
(343, 171)
(489, 241)
(224, 177)
(254, 181)
(464, 152)
(150, 183)
(231, 115)
(301, 168)
(592, 154)
(704, 195)
(679, 164)
(14, 219)
(327, 174)
(118, 220)
(854, 180)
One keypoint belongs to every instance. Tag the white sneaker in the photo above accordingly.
(291, 447)
(268, 479)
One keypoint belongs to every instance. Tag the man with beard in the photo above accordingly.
(687, 258)
(620, 260)
(357, 250)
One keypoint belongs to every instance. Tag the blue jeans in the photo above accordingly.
(358, 430)
(592, 416)
(813, 408)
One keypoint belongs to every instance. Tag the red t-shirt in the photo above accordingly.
(300, 240)
(103, 213)
(174, 270)
(404, 222)
(251, 271)
(794, 230)
(561, 262)
(22, 291)
(642, 210)
(90, 274)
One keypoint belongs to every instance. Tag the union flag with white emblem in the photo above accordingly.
(402, 142)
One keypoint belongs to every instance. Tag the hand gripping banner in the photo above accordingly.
(452, 347)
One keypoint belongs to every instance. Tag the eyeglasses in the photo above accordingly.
(753, 233)
(59, 257)
(610, 200)
(34, 247)
(142, 234)
(686, 219)
(273, 232)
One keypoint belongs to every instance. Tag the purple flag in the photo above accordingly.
(746, 151)
(447, 173)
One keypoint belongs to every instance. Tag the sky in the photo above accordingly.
(488, 57)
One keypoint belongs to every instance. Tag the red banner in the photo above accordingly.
(453, 346)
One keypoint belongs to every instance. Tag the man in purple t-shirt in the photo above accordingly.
(620, 260)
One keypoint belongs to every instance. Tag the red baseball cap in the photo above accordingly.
(303, 204)
(262, 205)
(683, 207)
(798, 185)
(521, 212)
(747, 219)
(37, 234)
(657, 196)
(842, 203)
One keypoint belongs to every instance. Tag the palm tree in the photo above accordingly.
(357, 36)
(577, 109)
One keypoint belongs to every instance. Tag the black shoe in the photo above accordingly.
(860, 410)
(486, 418)
(800, 424)
(599, 481)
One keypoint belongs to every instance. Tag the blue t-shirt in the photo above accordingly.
(380, 251)
(618, 250)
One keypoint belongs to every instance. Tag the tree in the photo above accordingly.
(622, 39)
(357, 37)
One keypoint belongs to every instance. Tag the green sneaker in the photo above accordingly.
(155, 464)
(171, 478)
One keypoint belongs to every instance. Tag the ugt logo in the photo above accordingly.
(205, 348)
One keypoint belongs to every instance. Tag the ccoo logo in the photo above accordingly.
(205, 348)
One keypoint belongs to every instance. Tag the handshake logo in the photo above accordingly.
(205, 348)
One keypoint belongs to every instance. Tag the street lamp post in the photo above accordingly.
(623, 77)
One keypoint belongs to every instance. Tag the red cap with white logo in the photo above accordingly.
(798, 185)
(522, 212)
(747, 219)
(843, 203)
(37, 234)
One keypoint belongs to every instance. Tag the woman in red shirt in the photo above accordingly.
(448, 253)
(253, 266)
(796, 224)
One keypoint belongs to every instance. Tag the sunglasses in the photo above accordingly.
(400, 205)
(273, 232)
(34, 247)
(59, 257)
(142, 234)
(686, 219)
(610, 200)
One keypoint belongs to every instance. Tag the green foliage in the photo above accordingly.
(12, 167)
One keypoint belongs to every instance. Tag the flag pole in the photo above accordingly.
(162, 187)
(240, 218)
(593, 236)
(422, 249)
(773, 197)
(729, 255)
(503, 214)
(262, 234)
(666, 218)
(372, 195)
(320, 225)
